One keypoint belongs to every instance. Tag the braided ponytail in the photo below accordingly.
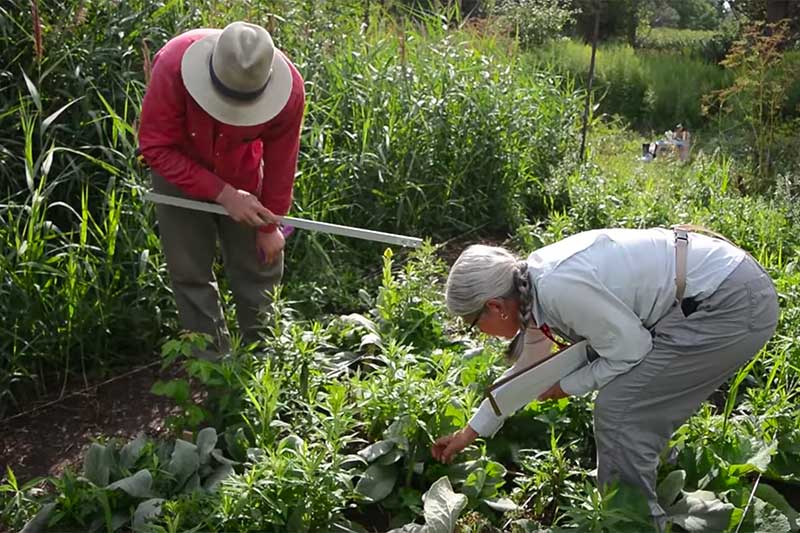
(522, 287)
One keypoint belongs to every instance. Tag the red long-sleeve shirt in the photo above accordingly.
(199, 154)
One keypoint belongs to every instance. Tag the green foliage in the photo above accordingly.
(442, 507)
(758, 94)
(18, 500)
(388, 141)
(650, 90)
(326, 422)
(708, 45)
(534, 22)
(127, 485)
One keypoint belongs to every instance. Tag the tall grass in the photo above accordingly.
(654, 90)
(703, 44)
(411, 126)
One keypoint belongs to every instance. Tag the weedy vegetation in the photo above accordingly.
(417, 122)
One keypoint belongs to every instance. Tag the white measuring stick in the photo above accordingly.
(335, 229)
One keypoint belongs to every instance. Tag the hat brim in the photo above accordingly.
(197, 80)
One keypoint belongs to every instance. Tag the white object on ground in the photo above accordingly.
(324, 227)
(517, 390)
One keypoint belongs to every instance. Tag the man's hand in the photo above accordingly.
(245, 208)
(553, 393)
(269, 245)
(445, 448)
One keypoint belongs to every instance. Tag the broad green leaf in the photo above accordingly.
(131, 452)
(137, 485)
(473, 486)
(377, 482)
(353, 460)
(216, 453)
(206, 440)
(502, 505)
(390, 458)
(192, 484)
(38, 523)
(769, 519)
(701, 511)
(119, 519)
(291, 442)
(459, 472)
(442, 508)
(177, 389)
(768, 493)
(378, 449)
(370, 339)
(750, 454)
(146, 511)
(670, 488)
(362, 321)
(184, 462)
(97, 465)
(213, 481)
(495, 478)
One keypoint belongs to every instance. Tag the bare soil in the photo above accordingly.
(47, 441)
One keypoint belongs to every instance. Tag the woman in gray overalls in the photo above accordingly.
(670, 313)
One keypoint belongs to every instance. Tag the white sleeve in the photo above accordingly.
(583, 304)
(537, 347)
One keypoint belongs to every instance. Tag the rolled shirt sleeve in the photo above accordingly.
(537, 347)
(580, 302)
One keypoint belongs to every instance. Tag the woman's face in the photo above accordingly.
(500, 318)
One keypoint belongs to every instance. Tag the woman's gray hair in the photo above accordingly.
(485, 272)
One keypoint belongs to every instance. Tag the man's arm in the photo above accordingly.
(162, 132)
(281, 147)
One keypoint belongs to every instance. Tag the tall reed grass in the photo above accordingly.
(650, 89)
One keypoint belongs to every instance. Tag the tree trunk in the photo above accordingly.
(595, 36)
(632, 23)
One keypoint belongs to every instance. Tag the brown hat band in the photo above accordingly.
(244, 96)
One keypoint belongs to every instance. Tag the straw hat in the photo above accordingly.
(237, 75)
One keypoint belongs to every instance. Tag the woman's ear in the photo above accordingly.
(495, 306)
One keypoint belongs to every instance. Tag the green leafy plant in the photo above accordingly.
(442, 507)
(127, 485)
(756, 98)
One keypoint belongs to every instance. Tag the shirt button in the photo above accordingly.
(194, 134)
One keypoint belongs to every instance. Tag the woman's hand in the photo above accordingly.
(553, 393)
(445, 448)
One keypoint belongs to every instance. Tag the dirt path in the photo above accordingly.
(47, 441)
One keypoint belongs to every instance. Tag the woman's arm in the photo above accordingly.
(485, 422)
(582, 303)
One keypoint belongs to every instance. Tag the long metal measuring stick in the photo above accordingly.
(324, 227)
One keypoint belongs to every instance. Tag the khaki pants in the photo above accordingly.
(189, 241)
(637, 412)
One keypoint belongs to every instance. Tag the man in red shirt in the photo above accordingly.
(221, 122)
